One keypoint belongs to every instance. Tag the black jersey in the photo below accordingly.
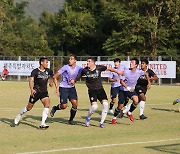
(142, 81)
(41, 79)
(93, 77)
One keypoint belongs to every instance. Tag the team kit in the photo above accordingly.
(126, 84)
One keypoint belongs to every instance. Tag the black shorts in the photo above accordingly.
(124, 94)
(67, 93)
(141, 89)
(115, 91)
(37, 96)
(97, 94)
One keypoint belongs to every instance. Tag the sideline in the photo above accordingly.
(100, 146)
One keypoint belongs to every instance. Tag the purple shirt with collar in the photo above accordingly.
(130, 78)
(114, 75)
(68, 73)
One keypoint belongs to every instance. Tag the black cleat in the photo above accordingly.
(53, 110)
(43, 126)
(142, 117)
(71, 122)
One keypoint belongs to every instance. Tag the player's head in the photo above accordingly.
(134, 63)
(72, 60)
(144, 63)
(43, 62)
(91, 61)
(117, 62)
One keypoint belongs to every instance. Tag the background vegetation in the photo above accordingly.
(91, 27)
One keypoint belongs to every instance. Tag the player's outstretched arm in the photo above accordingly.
(55, 81)
(114, 70)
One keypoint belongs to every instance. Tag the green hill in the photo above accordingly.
(36, 7)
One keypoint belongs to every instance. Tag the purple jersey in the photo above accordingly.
(114, 75)
(130, 78)
(68, 73)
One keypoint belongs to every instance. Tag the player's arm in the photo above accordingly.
(55, 81)
(112, 80)
(115, 70)
(124, 85)
(148, 79)
(154, 78)
(31, 85)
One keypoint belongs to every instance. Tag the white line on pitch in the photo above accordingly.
(101, 146)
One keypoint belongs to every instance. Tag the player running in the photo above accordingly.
(128, 82)
(38, 86)
(67, 89)
(114, 78)
(96, 91)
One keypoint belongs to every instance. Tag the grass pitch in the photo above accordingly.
(160, 133)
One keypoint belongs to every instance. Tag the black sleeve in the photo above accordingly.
(33, 73)
(151, 73)
(101, 67)
(83, 71)
(50, 72)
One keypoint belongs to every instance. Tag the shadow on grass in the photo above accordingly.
(167, 110)
(170, 148)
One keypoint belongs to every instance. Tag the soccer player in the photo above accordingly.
(115, 85)
(38, 87)
(67, 89)
(96, 91)
(141, 86)
(128, 82)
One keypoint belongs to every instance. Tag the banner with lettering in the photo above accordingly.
(163, 69)
(23, 68)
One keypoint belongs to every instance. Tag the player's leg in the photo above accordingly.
(142, 99)
(114, 93)
(74, 101)
(32, 100)
(102, 97)
(93, 99)
(117, 111)
(63, 94)
(134, 104)
(46, 103)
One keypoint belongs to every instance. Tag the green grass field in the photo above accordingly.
(160, 133)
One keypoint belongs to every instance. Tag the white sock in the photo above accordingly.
(127, 107)
(23, 110)
(141, 107)
(92, 109)
(104, 112)
(44, 115)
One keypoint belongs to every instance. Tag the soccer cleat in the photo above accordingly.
(113, 121)
(71, 122)
(111, 111)
(17, 119)
(87, 122)
(43, 126)
(130, 117)
(53, 110)
(176, 101)
(142, 117)
(101, 126)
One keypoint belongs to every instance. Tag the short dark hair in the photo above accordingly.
(145, 61)
(42, 59)
(117, 59)
(75, 57)
(136, 60)
(92, 58)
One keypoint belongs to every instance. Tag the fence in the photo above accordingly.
(57, 61)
